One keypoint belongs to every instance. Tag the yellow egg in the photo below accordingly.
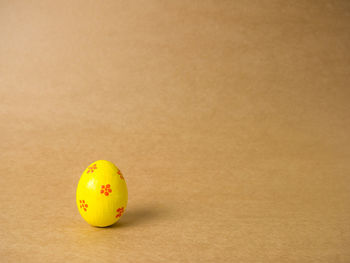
(102, 195)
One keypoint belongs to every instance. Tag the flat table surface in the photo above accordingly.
(229, 119)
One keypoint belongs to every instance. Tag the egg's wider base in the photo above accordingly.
(102, 194)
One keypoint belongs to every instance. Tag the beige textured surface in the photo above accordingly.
(229, 119)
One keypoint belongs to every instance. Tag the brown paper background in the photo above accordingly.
(229, 120)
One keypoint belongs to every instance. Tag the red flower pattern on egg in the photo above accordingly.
(120, 211)
(92, 168)
(83, 205)
(106, 189)
(120, 174)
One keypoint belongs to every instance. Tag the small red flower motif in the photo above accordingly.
(92, 168)
(106, 189)
(120, 211)
(121, 176)
(83, 205)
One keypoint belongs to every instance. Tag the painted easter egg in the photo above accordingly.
(101, 194)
